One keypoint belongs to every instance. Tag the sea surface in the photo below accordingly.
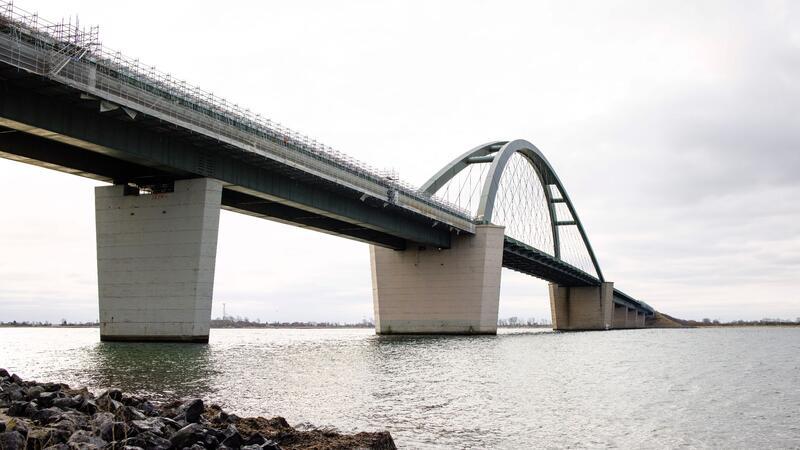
(691, 388)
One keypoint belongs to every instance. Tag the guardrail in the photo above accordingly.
(73, 56)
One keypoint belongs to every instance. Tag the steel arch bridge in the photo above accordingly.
(511, 183)
(67, 103)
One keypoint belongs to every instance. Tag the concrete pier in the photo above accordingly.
(621, 317)
(424, 290)
(582, 308)
(155, 261)
(639, 321)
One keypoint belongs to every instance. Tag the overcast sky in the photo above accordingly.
(675, 127)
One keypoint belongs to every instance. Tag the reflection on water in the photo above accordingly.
(161, 370)
(636, 388)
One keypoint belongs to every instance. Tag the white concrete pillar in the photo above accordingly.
(582, 308)
(155, 261)
(424, 290)
(640, 319)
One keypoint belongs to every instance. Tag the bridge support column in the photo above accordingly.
(620, 317)
(582, 308)
(431, 291)
(630, 317)
(639, 320)
(155, 261)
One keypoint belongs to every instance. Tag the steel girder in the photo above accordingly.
(54, 127)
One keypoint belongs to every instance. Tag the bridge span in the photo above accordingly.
(175, 154)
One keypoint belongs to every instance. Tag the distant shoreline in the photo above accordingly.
(355, 327)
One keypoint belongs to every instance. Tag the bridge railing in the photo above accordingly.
(73, 56)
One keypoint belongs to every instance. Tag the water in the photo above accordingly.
(719, 388)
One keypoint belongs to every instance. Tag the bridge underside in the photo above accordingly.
(51, 125)
(523, 258)
(54, 126)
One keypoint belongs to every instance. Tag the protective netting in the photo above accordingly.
(464, 189)
(573, 248)
(521, 205)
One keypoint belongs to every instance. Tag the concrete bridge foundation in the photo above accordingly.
(582, 308)
(621, 317)
(155, 261)
(425, 290)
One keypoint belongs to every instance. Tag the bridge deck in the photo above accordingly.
(523, 258)
(83, 110)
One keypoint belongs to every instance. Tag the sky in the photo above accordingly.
(674, 126)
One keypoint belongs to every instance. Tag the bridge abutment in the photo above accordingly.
(425, 290)
(155, 261)
(582, 308)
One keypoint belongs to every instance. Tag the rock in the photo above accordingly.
(154, 442)
(279, 422)
(106, 403)
(53, 387)
(210, 441)
(114, 393)
(147, 408)
(46, 399)
(270, 445)
(67, 402)
(153, 425)
(233, 440)
(12, 441)
(21, 409)
(188, 435)
(70, 421)
(193, 410)
(128, 413)
(114, 431)
(172, 424)
(83, 439)
(255, 439)
(89, 407)
(99, 419)
(14, 392)
(46, 415)
(232, 437)
(51, 415)
(17, 425)
(42, 437)
(129, 443)
(33, 392)
(59, 446)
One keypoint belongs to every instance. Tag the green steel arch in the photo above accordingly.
(498, 153)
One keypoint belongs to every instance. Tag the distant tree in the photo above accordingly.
(706, 320)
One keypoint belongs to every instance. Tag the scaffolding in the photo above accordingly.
(73, 55)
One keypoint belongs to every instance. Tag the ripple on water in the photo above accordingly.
(645, 388)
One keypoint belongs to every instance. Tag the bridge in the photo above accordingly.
(174, 155)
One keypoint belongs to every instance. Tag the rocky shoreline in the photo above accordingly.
(54, 416)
